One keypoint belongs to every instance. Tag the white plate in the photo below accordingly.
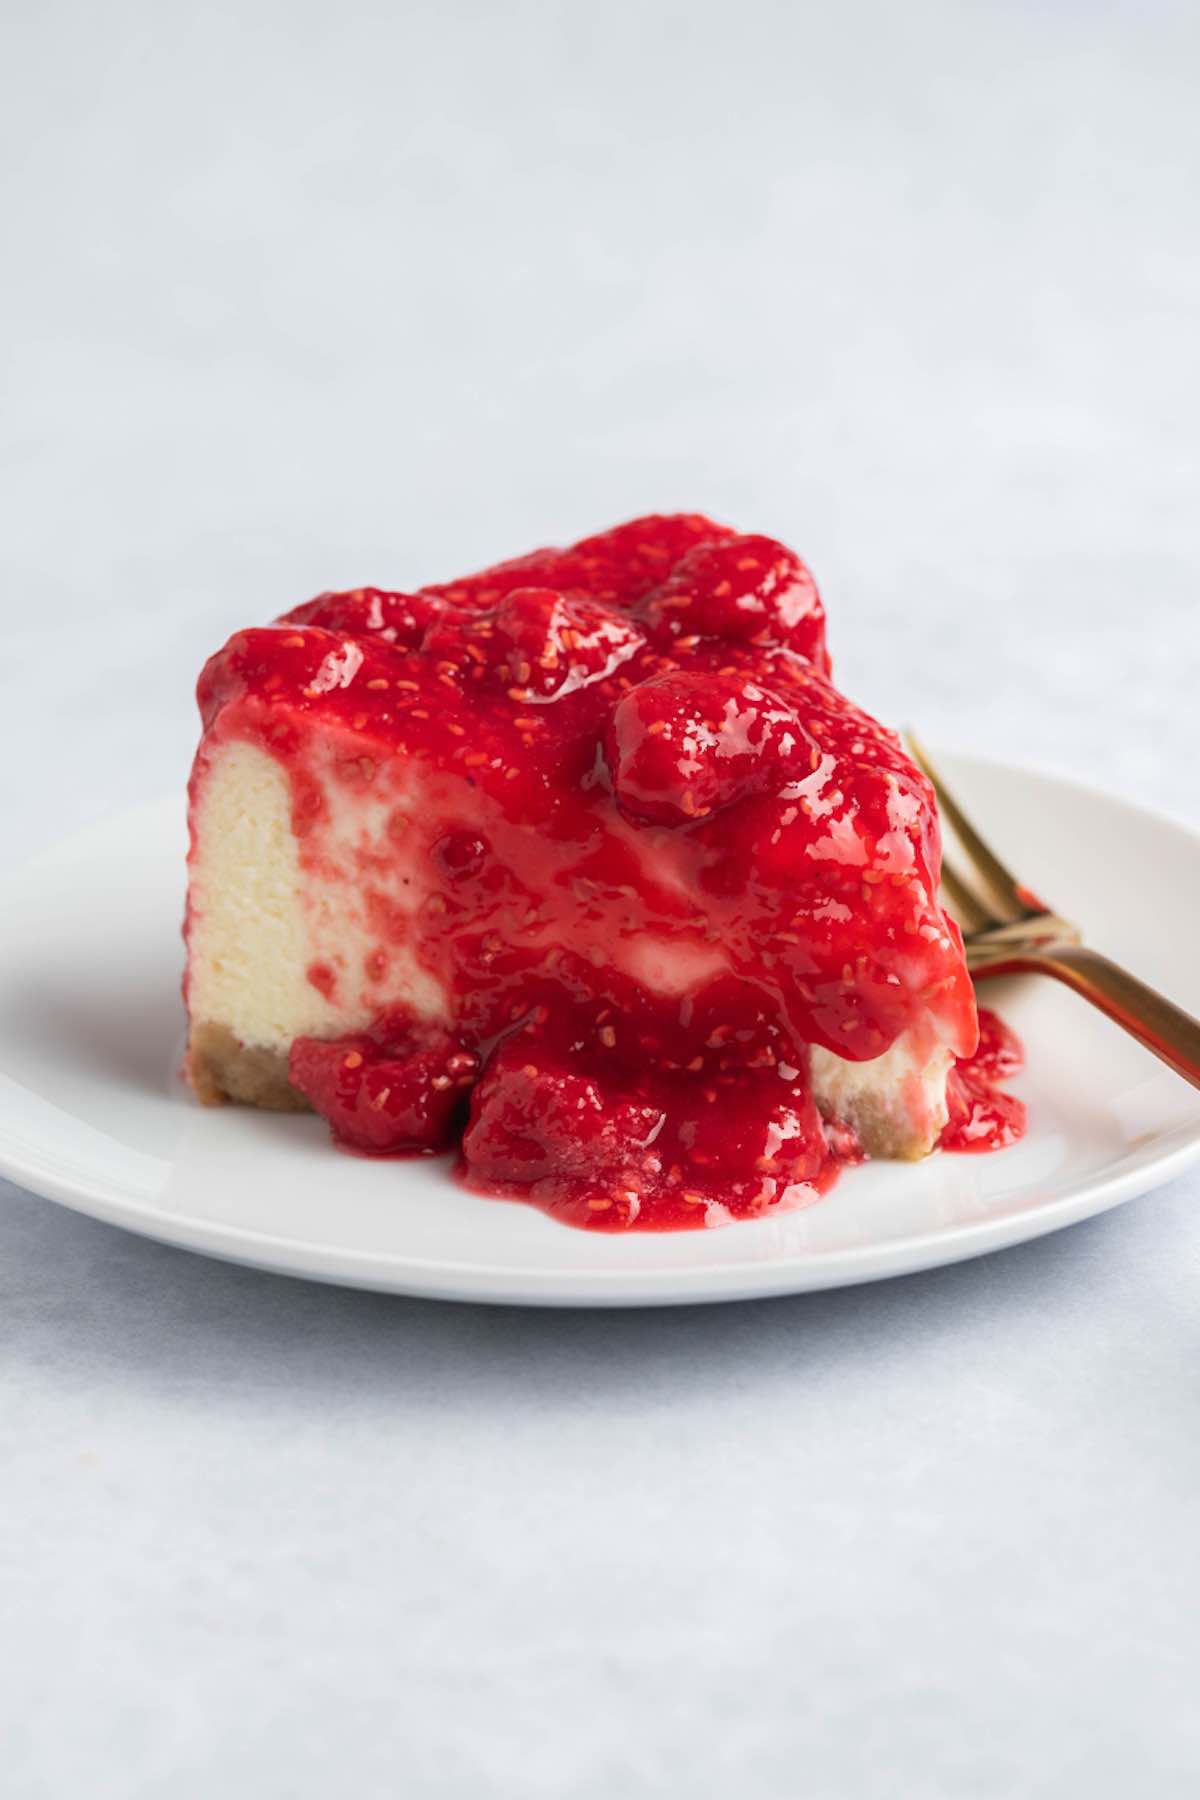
(92, 1112)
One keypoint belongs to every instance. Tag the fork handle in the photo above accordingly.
(1155, 1021)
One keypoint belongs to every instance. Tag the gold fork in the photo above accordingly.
(1008, 931)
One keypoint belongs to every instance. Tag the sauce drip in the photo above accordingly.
(982, 1115)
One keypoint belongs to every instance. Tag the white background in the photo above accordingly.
(299, 296)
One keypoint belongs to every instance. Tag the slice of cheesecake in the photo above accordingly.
(587, 852)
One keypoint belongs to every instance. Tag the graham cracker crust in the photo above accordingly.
(223, 1069)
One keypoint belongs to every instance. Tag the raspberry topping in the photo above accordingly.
(681, 746)
(982, 1115)
(385, 1091)
(399, 619)
(641, 1147)
(532, 1120)
(537, 644)
(746, 589)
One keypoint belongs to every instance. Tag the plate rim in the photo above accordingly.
(517, 1284)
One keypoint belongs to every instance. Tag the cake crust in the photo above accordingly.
(221, 1069)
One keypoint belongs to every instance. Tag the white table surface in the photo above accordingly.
(310, 295)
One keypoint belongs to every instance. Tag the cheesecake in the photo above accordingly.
(581, 864)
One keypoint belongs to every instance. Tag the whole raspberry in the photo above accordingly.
(680, 746)
(381, 1096)
(743, 589)
(531, 1117)
(536, 643)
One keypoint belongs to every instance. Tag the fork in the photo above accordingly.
(1007, 930)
